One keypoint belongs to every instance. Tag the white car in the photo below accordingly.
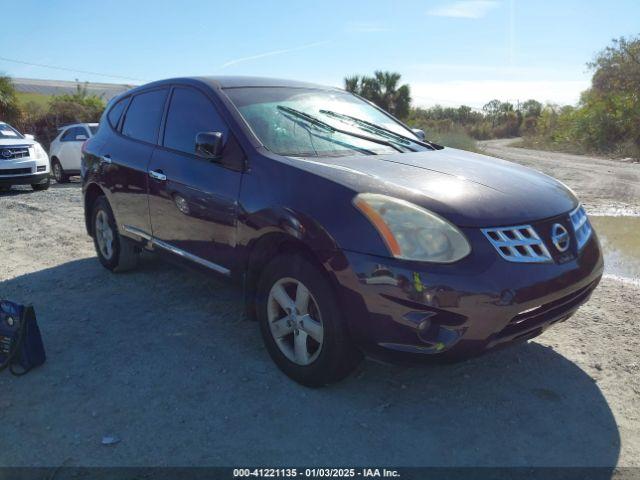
(23, 161)
(66, 149)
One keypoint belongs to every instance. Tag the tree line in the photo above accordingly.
(43, 120)
(606, 120)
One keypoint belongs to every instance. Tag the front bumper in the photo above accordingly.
(24, 171)
(23, 179)
(400, 310)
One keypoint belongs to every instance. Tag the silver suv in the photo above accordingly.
(23, 161)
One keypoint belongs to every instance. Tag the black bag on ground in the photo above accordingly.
(21, 347)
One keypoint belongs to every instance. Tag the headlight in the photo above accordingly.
(38, 151)
(412, 232)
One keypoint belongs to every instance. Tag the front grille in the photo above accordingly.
(11, 153)
(581, 226)
(518, 244)
(15, 171)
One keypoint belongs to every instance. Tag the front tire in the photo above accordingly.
(41, 186)
(115, 252)
(58, 172)
(301, 323)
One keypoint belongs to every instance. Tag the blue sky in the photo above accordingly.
(450, 51)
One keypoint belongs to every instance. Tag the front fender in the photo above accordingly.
(286, 221)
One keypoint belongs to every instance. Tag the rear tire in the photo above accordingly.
(115, 252)
(58, 172)
(328, 354)
(41, 186)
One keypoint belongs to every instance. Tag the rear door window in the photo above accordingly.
(190, 112)
(81, 131)
(142, 119)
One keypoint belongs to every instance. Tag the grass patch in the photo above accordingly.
(37, 98)
(535, 143)
(623, 150)
(454, 139)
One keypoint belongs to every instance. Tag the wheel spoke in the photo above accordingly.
(292, 329)
(104, 234)
(302, 299)
(281, 296)
(312, 327)
(300, 347)
(281, 328)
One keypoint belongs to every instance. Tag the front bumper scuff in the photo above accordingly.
(399, 310)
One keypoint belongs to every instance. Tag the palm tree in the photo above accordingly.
(352, 84)
(383, 90)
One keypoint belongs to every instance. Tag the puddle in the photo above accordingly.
(620, 239)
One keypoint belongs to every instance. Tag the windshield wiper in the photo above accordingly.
(330, 128)
(376, 129)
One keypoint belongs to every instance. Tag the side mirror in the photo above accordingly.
(209, 145)
(28, 136)
(81, 138)
(419, 133)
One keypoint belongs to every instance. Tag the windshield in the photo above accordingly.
(7, 131)
(309, 122)
(94, 129)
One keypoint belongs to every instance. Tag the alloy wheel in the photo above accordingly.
(57, 171)
(104, 234)
(295, 321)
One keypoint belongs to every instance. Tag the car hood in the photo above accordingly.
(469, 189)
(8, 142)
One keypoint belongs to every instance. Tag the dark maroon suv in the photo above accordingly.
(347, 231)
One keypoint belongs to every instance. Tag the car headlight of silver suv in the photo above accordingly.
(38, 152)
(411, 232)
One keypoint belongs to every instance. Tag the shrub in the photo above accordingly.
(9, 108)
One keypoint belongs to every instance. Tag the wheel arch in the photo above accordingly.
(284, 231)
(91, 194)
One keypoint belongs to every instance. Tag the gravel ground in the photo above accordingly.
(163, 359)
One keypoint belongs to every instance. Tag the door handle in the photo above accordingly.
(157, 175)
(105, 159)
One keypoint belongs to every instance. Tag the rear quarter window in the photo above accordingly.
(116, 112)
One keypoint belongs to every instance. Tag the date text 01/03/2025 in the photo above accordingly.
(315, 473)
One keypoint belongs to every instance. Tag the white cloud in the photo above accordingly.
(477, 93)
(464, 9)
(272, 53)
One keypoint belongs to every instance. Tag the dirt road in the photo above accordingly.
(163, 359)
